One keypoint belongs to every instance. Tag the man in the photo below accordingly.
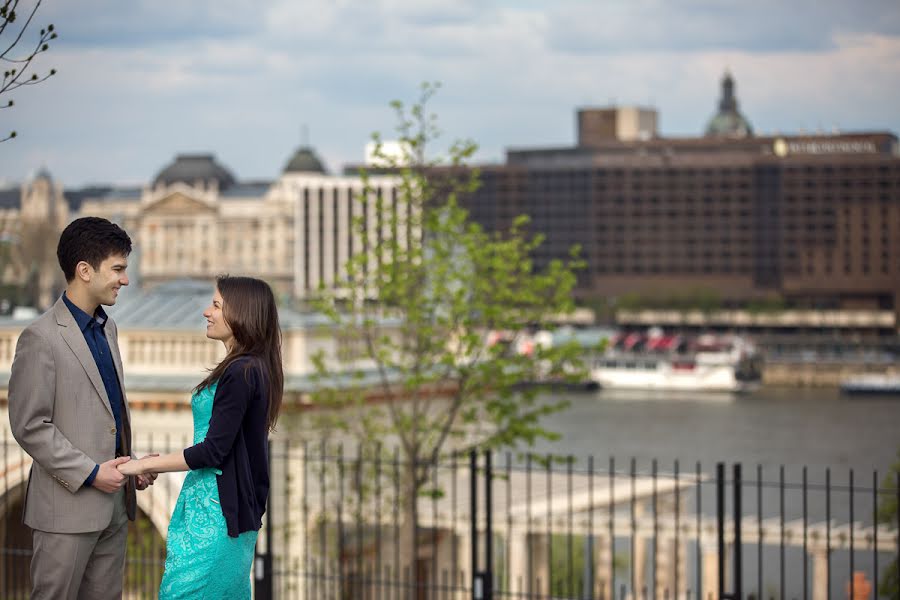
(67, 409)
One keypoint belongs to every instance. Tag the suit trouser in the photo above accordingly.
(81, 566)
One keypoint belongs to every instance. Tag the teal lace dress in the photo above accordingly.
(202, 562)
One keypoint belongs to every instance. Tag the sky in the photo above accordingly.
(140, 81)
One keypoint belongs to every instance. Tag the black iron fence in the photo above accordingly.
(341, 526)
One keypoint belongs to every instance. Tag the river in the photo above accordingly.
(773, 426)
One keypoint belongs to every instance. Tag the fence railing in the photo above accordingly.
(341, 525)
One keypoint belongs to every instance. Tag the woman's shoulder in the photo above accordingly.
(246, 368)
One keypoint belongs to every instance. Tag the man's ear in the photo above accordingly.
(84, 271)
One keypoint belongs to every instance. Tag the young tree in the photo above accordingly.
(17, 68)
(422, 302)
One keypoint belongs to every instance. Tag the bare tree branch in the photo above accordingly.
(20, 73)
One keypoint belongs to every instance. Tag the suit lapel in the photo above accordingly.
(113, 340)
(74, 338)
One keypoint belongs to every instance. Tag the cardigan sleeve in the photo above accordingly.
(234, 393)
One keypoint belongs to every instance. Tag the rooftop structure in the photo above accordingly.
(729, 122)
(194, 168)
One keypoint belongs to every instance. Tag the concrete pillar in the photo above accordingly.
(289, 530)
(539, 579)
(639, 566)
(463, 575)
(665, 559)
(667, 568)
(820, 574)
(710, 572)
(517, 572)
(445, 559)
(681, 567)
(602, 573)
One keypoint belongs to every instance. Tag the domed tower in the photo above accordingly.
(43, 214)
(304, 160)
(194, 169)
(729, 122)
(43, 201)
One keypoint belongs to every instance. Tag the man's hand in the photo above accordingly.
(108, 478)
(142, 482)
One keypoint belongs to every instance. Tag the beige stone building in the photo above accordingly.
(196, 220)
(31, 218)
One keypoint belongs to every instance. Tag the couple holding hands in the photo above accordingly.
(68, 410)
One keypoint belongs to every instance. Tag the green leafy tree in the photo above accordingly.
(420, 305)
(18, 70)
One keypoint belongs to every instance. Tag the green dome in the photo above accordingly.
(728, 122)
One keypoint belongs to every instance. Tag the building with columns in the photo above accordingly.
(326, 209)
(195, 219)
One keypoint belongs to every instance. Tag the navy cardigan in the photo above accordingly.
(236, 443)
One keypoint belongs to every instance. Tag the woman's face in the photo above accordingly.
(216, 326)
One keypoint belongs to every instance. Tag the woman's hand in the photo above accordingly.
(142, 482)
(135, 466)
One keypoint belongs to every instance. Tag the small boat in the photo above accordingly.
(888, 385)
(660, 362)
(651, 361)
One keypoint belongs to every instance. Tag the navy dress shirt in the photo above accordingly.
(93, 330)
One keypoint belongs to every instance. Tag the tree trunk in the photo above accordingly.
(409, 528)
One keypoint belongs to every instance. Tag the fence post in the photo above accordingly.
(489, 528)
(720, 525)
(482, 580)
(477, 590)
(262, 563)
(738, 562)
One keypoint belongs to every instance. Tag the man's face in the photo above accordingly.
(105, 282)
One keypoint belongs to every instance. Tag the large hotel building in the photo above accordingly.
(813, 220)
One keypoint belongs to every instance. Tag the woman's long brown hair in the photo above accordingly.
(248, 306)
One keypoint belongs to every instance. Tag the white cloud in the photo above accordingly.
(512, 74)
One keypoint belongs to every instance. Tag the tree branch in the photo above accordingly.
(21, 31)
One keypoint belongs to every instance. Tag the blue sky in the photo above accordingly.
(141, 80)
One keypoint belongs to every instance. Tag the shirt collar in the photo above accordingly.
(83, 319)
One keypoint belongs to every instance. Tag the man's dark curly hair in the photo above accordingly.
(92, 240)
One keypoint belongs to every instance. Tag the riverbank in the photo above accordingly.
(820, 373)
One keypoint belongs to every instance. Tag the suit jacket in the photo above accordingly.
(59, 413)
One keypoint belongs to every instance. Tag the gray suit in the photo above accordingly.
(60, 414)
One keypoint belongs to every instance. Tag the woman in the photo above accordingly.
(213, 531)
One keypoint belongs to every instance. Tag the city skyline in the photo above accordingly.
(139, 83)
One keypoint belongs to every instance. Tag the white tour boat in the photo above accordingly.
(655, 361)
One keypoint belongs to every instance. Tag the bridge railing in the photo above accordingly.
(341, 525)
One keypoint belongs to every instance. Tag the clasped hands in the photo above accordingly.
(113, 474)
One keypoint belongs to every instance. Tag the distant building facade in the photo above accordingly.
(31, 218)
(326, 212)
(814, 219)
(196, 220)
